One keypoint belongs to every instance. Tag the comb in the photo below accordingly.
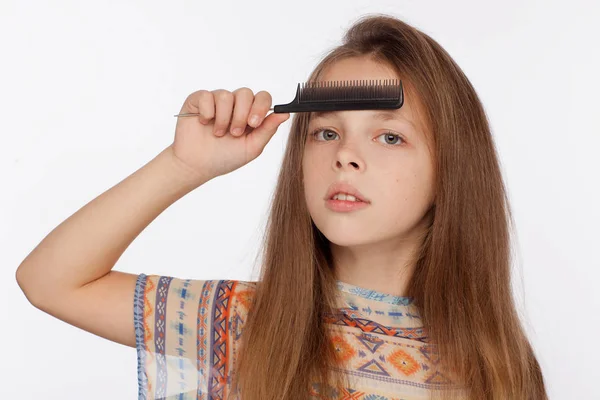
(342, 96)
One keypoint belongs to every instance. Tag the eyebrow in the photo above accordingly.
(381, 115)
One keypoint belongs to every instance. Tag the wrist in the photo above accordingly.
(181, 172)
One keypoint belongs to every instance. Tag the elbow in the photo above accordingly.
(20, 279)
(23, 282)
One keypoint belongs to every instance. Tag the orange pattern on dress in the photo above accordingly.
(404, 362)
(344, 350)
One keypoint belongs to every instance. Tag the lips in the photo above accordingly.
(347, 188)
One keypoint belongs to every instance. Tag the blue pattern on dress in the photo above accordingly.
(374, 294)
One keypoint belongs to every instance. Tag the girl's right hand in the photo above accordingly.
(209, 144)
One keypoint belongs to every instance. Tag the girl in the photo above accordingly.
(405, 295)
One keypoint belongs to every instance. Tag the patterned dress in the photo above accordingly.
(188, 333)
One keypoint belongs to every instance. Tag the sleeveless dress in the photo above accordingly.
(188, 333)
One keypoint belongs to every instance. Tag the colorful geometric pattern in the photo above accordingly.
(188, 334)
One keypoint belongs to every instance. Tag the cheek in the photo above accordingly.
(408, 184)
(313, 189)
(413, 190)
(314, 168)
(310, 179)
(312, 155)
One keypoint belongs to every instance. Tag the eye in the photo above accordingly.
(319, 130)
(386, 135)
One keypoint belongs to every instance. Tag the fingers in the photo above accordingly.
(223, 108)
(260, 107)
(201, 102)
(243, 99)
(234, 110)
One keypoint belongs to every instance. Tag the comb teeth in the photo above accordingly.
(349, 90)
(345, 95)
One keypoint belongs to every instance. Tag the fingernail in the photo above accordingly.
(237, 131)
(219, 132)
(254, 120)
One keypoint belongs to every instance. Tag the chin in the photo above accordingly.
(343, 237)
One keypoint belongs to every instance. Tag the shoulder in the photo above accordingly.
(159, 289)
(171, 298)
(153, 281)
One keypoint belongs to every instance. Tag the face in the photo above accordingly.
(387, 161)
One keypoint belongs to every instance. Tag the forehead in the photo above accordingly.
(379, 115)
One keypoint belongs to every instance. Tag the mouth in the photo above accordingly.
(345, 189)
(356, 200)
(345, 205)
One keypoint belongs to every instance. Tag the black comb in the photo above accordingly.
(341, 96)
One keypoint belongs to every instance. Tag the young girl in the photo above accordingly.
(405, 295)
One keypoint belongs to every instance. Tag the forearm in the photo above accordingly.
(87, 245)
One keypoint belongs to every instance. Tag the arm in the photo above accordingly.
(68, 275)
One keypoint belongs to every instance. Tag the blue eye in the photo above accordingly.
(386, 135)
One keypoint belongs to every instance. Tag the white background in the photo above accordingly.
(88, 94)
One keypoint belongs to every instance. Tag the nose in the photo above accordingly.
(340, 163)
(348, 159)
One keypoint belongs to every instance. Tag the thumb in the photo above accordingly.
(260, 136)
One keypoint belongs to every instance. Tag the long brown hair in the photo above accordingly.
(461, 281)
